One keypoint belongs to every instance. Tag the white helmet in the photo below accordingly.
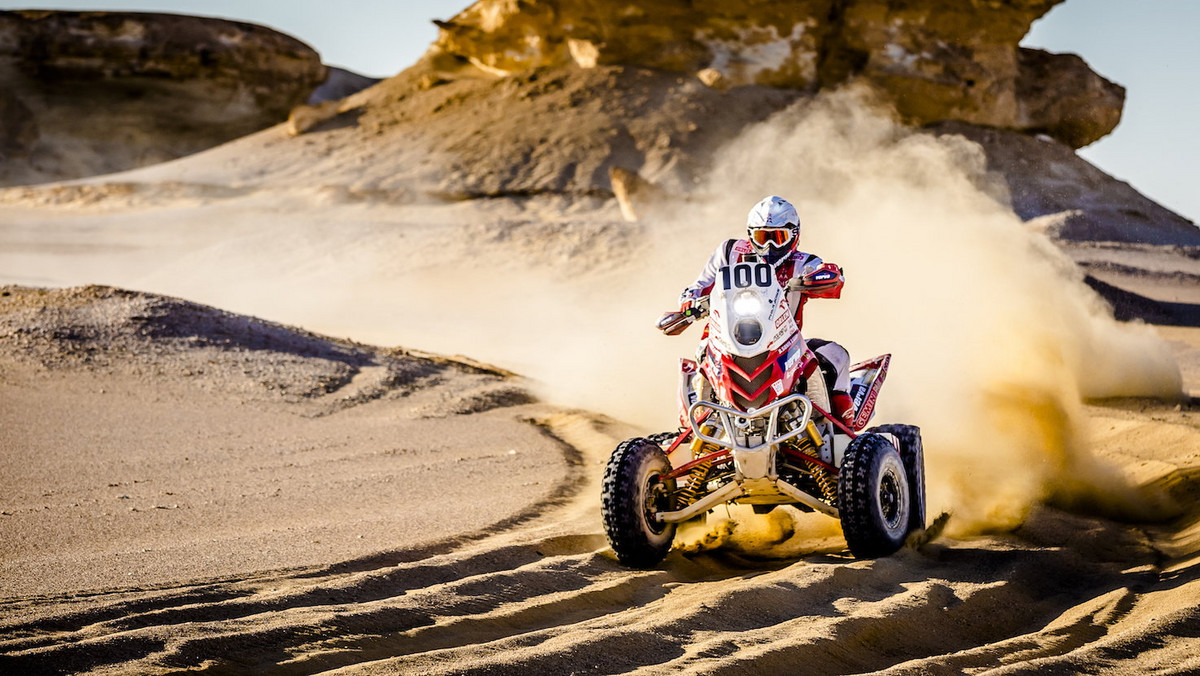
(773, 226)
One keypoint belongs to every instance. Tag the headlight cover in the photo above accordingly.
(748, 332)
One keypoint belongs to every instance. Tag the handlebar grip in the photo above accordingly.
(673, 323)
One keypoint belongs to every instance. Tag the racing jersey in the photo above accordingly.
(794, 265)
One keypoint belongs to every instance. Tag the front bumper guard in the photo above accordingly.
(734, 419)
(752, 463)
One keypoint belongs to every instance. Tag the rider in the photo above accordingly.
(773, 227)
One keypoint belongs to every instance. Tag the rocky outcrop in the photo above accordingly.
(567, 123)
(1054, 189)
(1060, 96)
(95, 92)
(934, 60)
(340, 84)
(18, 129)
(555, 130)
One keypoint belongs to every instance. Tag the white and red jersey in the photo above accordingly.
(796, 264)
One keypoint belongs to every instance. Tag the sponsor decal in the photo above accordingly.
(864, 413)
(793, 360)
(860, 397)
(777, 386)
(791, 341)
(715, 368)
(719, 338)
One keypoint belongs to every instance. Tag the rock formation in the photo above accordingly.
(553, 130)
(592, 99)
(94, 92)
(1053, 188)
(340, 84)
(951, 66)
(934, 60)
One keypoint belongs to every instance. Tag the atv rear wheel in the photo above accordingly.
(633, 492)
(913, 455)
(874, 501)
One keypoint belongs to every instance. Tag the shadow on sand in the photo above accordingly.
(1128, 305)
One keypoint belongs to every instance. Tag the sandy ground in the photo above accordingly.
(110, 482)
(1168, 279)
(130, 470)
(156, 522)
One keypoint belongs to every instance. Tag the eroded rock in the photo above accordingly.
(107, 91)
(934, 60)
(1052, 188)
(340, 84)
(18, 128)
(1060, 96)
(632, 191)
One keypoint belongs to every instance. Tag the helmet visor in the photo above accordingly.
(773, 237)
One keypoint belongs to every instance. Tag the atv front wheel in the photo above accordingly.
(874, 500)
(634, 491)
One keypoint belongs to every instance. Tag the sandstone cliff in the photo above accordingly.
(83, 93)
(953, 66)
(568, 131)
(933, 60)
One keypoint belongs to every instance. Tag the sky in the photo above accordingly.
(1149, 47)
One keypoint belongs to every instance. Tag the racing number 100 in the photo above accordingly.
(743, 275)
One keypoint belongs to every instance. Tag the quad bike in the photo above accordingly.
(756, 428)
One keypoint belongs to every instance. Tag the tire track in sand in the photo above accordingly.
(543, 594)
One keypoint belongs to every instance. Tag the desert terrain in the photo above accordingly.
(337, 396)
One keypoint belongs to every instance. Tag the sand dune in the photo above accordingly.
(148, 440)
(516, 579)
(1065, 592)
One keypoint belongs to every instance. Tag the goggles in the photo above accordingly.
(774, 237)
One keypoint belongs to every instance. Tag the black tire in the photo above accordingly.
(873, 497)
(632, 492)
(913, 455)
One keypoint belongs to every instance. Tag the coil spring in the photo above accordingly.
(826, 483)
(696, 478)
(823, 478)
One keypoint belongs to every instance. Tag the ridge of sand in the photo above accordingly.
(1065, 591)
(537, 590)
(147, 439)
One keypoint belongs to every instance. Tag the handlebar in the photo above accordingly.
(827, 277)
(673, 323)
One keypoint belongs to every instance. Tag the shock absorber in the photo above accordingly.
(696, 479)
(826, 483)
(820, 475)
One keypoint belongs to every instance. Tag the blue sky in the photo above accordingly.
(1149, 47)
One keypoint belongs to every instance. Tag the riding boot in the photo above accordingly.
(843, 407)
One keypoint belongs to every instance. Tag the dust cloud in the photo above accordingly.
(996, 340)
